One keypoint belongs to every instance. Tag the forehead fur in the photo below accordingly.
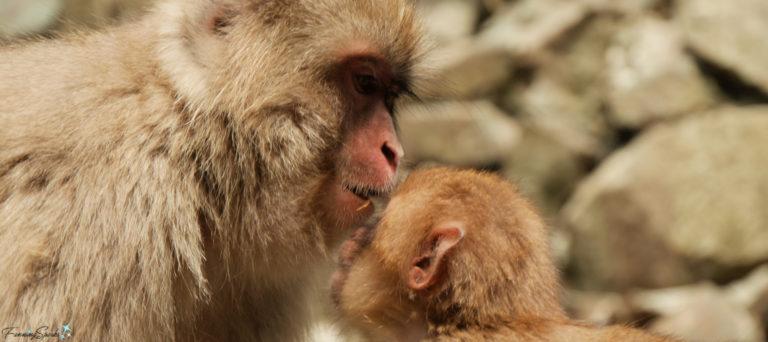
(387, 28)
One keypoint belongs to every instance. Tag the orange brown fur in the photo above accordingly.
(487, 275)
(166, 179)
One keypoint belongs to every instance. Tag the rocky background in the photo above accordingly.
(638, 127)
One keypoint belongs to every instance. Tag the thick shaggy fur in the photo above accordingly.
(160, 180)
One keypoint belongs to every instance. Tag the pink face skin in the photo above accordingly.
(370, 152)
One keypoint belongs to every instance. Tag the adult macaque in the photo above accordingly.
(458, 256)
(173, 178)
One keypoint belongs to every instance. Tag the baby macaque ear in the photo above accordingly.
(428, 268)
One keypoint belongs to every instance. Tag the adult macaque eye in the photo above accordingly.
(365, 84)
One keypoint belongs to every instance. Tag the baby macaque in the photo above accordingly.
(458, 256)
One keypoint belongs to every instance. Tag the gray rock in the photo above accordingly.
(447, 20)
(546, 171)
(466, 70)
(684, 201)
(579, 60)
(629, 7)
(527, 26)
(732, 34)
(705, 312)
(573, 120)
(651, 77)
(750, 291)
(22, 17)
(99, 13)
(468, 134)
(701, 314)
(598, 308)
(565, 100)
(493, 6)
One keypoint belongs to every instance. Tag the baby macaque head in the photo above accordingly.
(454, 248)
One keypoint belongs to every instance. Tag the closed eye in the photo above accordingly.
(366, 84)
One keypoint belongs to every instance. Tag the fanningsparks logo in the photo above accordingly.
(43, 332)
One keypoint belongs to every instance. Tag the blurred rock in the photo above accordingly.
(493, 6)
(525, 27)
(628, 7)
(761, 311)
(565, 98)
(684, 201)
(466, 70)
(468, 134)
(562, 115)
(448, 20)
(598, 308)
(751, 290)
(651, 77)
(704, 312)
(97, 13)
(24, 17)
(579, 58)
(732, 34)
(545, 170)
(700, 314)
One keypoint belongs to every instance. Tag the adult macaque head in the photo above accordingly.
(458, 256)
(315, 81)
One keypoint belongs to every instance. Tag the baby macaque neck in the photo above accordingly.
(413, 328)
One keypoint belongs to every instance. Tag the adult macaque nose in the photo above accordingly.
(392, 151)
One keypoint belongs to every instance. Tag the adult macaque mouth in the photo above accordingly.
(365, 193)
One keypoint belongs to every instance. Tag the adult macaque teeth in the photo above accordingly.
(366, 205)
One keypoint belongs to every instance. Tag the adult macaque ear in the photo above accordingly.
(218, 17)
(429, 266)
(192, 43)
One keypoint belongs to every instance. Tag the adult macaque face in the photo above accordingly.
(370, 150)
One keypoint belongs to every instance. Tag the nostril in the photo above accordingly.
(389, 154)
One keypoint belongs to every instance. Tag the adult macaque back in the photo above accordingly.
(458, 256)
(179, 177)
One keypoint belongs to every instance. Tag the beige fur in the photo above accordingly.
(163, 180)
(494, 281)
